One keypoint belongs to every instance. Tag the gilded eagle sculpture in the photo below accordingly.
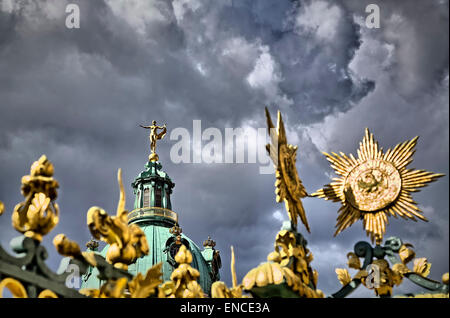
(288, 186)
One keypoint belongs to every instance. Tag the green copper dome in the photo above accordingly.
(153, 213)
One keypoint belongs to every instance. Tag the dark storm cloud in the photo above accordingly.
(79, 95)
(306, 55)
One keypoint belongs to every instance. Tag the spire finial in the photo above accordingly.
(209, 242)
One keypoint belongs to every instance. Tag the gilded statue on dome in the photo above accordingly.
(155, 136)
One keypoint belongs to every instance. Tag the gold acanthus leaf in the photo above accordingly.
(343, 275)
(289, 264)
(422, 266)
(110, 289)
(288, 186)
(183, 282)
(406, 253)
(220, 290)
(66, 247)
(263, 275)
(353, 261)
(400, 269)
(143, 287)
(166, 290)
(361, 274)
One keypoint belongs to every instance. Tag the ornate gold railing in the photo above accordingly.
(152, 211)
(287, 272)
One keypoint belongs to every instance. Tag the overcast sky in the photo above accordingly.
(78, 96)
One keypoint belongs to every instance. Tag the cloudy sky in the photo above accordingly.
(78, 96)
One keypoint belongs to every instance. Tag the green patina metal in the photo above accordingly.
(153, 213)
(152, 180)
(158, 238)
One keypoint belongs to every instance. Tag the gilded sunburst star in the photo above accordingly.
(288, 186)
(375, 185)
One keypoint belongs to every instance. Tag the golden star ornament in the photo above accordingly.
(375, 185)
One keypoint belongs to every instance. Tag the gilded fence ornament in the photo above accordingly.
(372, 187)
(47, 293)
(140, 286)
(183, 281)
(14, 286)
(288, 265)
(220, 289)
(145, 286)
(343, 276)
(379, 275)
(17, 290)
(288, 186)
(127, 242)
(38, 214)
(375, 185)
(113, 288)
(66, 247)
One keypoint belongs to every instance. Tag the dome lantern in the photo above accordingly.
(152, 189)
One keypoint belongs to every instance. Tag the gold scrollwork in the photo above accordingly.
(15, 287)
(388, 277)
(17, 290)
(47, 293)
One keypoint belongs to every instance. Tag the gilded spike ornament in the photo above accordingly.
(375, 185)
(288, 186)
(220, 289)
